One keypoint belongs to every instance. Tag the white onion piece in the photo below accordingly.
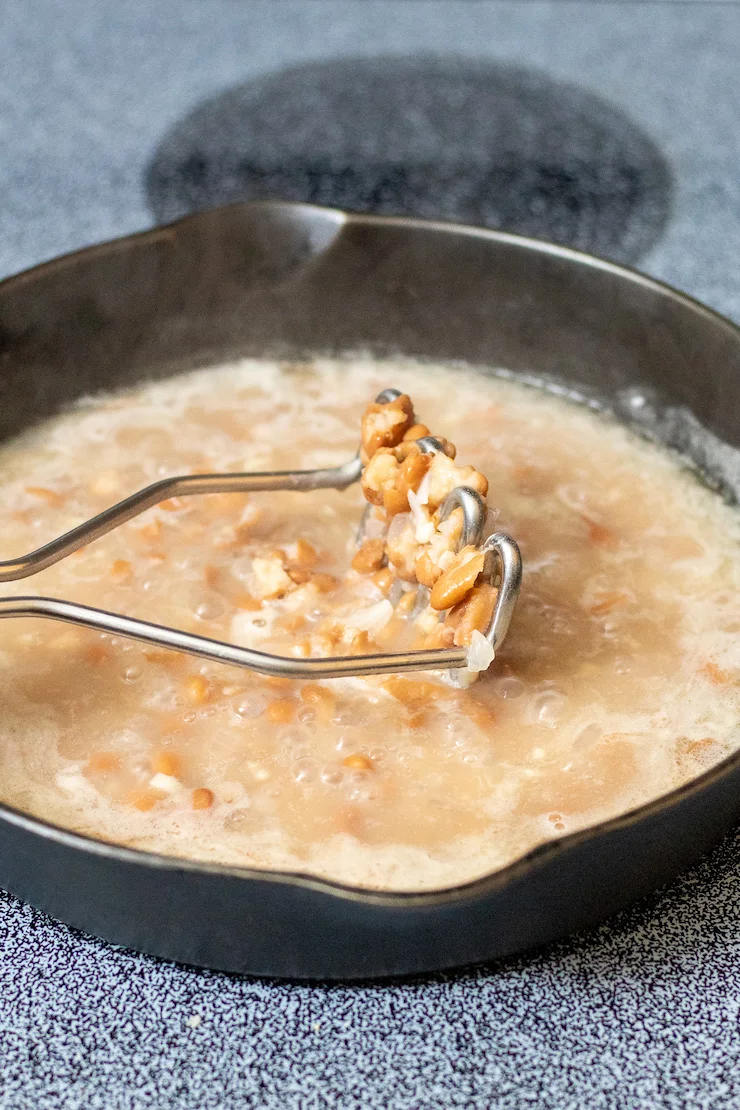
(423, 526)
(168, 784)
(370, 619)
(480, 652)
(422, 494)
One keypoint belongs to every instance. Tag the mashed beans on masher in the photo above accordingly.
(619, 678)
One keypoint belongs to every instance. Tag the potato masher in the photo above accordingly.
(502, 567)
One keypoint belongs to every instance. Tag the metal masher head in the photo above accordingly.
(502, 568)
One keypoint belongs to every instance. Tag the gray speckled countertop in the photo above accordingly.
(641, 1013)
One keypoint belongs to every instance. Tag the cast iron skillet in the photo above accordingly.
(283, 279)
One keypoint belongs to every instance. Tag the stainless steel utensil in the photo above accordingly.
(502, 566)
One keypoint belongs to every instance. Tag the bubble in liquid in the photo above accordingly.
(211, 609)
(132, 674)
(345, 718)
(149, 585)
(241, 568)
(470, 757)
(236, 819)
(547, 708)
(459, 731)
(306, 714)
(294, 744)
(363, 791)
(251, 705)
(332, 776)
(507, 687)
(304, 771)
(587, 737)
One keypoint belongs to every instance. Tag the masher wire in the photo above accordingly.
(502, 566)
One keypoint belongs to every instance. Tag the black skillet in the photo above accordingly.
(281, 279)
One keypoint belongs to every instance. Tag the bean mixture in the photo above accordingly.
(619, 678)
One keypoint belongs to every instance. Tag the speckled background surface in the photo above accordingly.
(114, 115)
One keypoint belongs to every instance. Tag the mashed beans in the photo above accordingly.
(618, 681)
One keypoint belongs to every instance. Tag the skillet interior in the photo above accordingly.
(278, 279)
